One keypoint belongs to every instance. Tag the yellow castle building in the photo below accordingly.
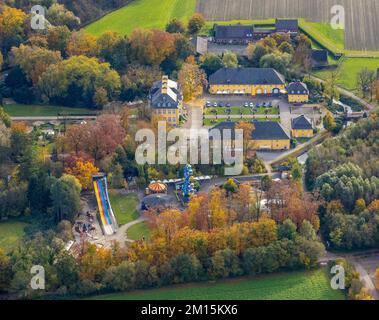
(267, 135)
(297, 92)
(253, 81)
(166, 101)
(302, 127)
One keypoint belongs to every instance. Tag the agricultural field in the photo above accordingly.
(23, 110)
(310, 285)
(124, 206)
(11, 232)
(147, 14)
(361, 15)
(139, 231)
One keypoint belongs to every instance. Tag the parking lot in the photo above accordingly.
(241, 101)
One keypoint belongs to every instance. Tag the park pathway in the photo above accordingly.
(348, 94)
(122, 233)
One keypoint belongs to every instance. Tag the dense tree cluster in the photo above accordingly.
(63, 66)
(345, 171)
(192, 246)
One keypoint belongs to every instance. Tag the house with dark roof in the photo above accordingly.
(166, 100)
(319, 58)
(302, 127)
(200, 45)
(252, 81)
(297, 92)
(287, 26)
(267, 135)
(233, 34)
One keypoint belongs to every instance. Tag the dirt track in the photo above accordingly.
(362, 16)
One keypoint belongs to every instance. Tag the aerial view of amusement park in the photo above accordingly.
(180, 150)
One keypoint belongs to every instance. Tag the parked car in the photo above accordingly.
(228, 105)
(208, 104)
(251, 105)
(215, 104)
(246, 104)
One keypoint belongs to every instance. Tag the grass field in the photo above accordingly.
(311, 285)
(149, 14)
(22, 110)
(139, 231)
(124, 206)
(349, 70)
(11, 233)
(333, 40)
(325, 35)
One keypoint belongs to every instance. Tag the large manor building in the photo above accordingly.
(252, 81)
(166, 101)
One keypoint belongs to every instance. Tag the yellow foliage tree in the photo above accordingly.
(83, 171)
(11, 21)
(264, 231)
(192, 79)
(217, 210)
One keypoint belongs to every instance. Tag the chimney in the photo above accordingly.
(164, 84)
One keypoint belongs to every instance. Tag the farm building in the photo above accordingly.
(253, 81)
(287, 26)
(233, 34)
(200, 45)
(319, 58)
(302, 127)
(166, 100)
(297, 92)
(267, 135)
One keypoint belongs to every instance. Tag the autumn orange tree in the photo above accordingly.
(83, 171)
(82, 43)
(287, 200)
(152, 46)
(97, 139)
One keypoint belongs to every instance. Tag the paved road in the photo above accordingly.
(353, 258)
(54, 118)
(366, 279)
(207, 186)
(121, 235)
(305, 146)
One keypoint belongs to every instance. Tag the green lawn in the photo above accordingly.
(148, 14)
(23, 110)
(311, 285)
(124, 206)
(11, 233)
(139, 231)
(349, 70)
